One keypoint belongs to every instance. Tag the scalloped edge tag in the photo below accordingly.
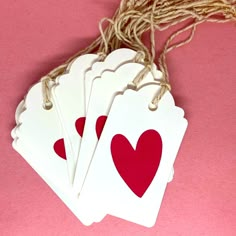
(130, 116)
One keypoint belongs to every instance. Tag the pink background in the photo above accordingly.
(35, 37)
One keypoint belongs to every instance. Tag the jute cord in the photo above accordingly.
(133, 18)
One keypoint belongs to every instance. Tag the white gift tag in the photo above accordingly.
(112, 62)
(134, 157)
(38, 123)
(68, 96)
(34, 139)
(103, 92)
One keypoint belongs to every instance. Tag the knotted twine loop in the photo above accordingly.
(47, 103)
(165, 86)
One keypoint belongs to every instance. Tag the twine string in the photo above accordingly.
(170, 14)
(135, 17)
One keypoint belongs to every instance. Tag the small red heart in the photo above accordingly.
(101, 120)
(59, 148)
(137, 167)
(79, 125)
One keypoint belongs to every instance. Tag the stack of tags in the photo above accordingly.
(100, 148)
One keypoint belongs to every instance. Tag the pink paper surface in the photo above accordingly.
(37, 36)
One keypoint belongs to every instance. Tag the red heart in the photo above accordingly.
(79, 125)
(59, 148)
(101, 120)
(137, 167)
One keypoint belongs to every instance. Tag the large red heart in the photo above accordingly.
(137, 167)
